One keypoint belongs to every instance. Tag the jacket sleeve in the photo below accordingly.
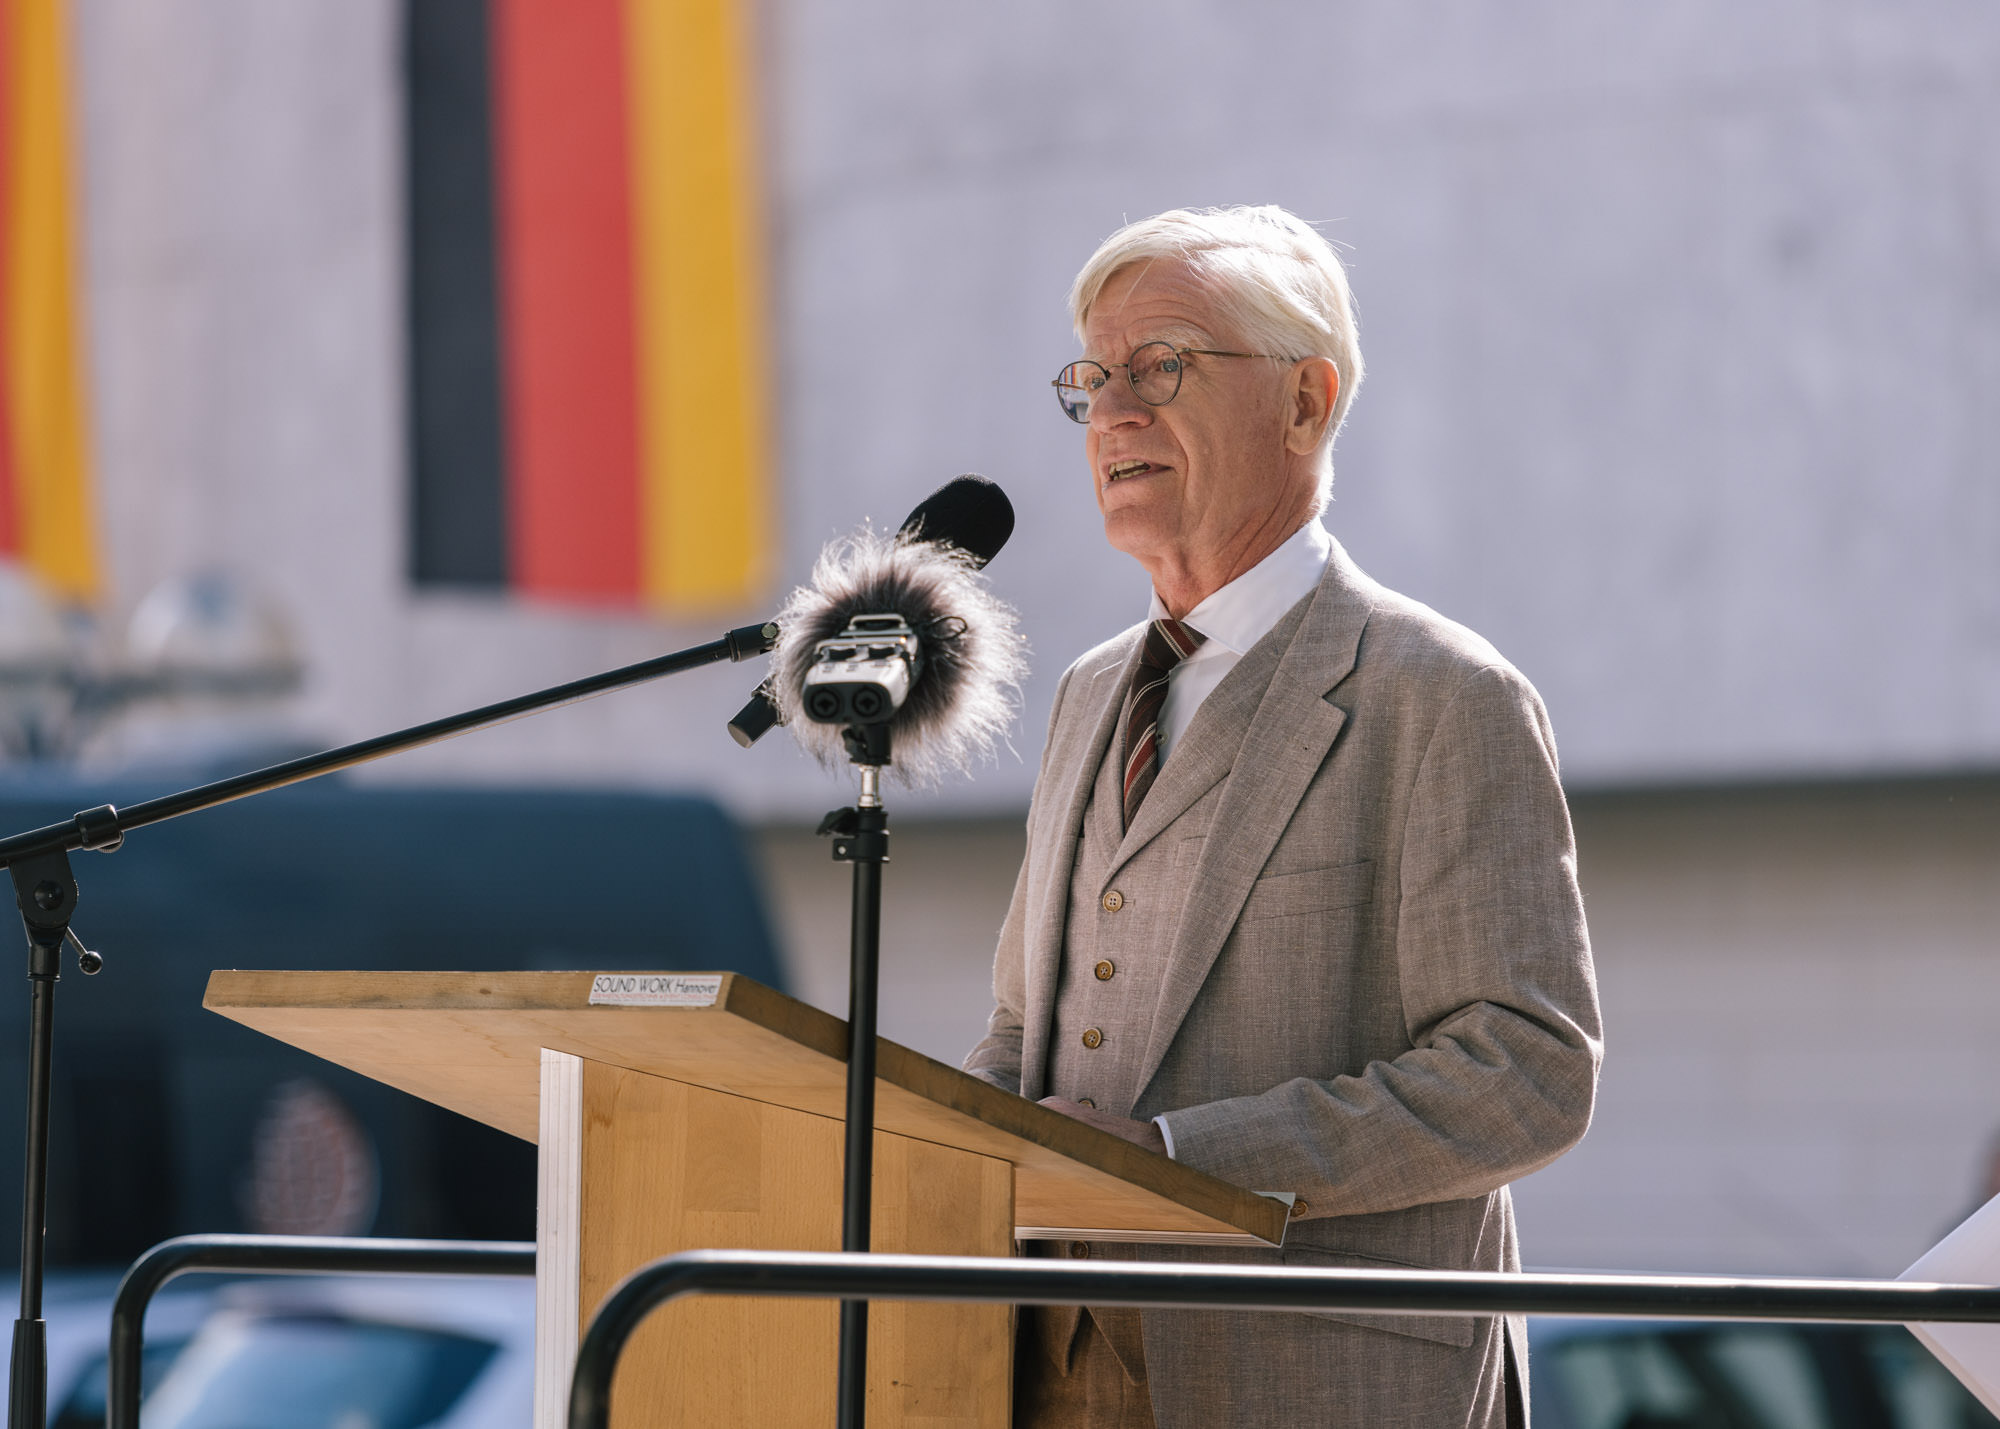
(997, 1057)
(1494, 974)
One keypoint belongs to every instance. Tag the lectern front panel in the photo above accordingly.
(656, 1165)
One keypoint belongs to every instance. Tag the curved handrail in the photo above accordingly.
(278, 1255)
(1210, 1287)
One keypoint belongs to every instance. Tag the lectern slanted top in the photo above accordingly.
(472, 1042)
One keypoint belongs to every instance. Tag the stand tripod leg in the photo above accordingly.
(28, 1399)
(46, 892)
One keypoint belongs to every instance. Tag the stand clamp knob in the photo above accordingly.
(88, 963)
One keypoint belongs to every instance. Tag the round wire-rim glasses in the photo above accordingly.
(1154, 369)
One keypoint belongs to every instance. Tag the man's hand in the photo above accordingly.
(1139, 1133)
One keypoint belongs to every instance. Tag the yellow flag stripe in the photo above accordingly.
(699, 261)
(44, 343)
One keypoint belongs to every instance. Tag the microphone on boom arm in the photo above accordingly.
(941, 543)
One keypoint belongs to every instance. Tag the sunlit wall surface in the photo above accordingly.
(1677, 321)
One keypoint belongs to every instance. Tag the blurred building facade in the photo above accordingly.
(1682, 326)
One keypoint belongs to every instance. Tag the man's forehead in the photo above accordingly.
(1158, 299)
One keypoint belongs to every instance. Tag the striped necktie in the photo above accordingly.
(1168, 642)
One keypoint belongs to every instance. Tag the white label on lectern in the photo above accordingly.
(654, 990)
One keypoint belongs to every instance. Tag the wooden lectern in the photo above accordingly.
(678, 1111)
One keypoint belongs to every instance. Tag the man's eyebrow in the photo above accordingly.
(1176, 334)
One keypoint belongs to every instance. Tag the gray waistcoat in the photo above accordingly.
(1124, 909)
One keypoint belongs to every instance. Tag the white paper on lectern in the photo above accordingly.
(1970, 1255)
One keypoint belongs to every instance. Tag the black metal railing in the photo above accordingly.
(279, 1255)
(1213, 1287)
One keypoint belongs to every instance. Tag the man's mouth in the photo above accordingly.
(1122, 469)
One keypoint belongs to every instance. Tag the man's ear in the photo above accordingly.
(1309, 405)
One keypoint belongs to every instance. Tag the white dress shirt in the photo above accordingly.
(1234, 619)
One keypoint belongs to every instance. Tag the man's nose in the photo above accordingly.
(1115, 404)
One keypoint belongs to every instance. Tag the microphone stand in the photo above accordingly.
(860, 837)
(46, 891)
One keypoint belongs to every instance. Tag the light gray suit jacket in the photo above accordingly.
(1377, 990)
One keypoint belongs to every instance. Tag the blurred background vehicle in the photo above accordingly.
(323, 1351)
(78, 1310)
(167, 1119)
(1611, 1374)
(334, 1352)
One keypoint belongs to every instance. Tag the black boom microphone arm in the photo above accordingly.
(104, 828)
(45, 889)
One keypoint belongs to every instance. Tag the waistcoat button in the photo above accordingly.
(1091, 1036)
(1086, 1101)
(1079, 1249)
(1299, 1208)
(1113, 901)
(1105, 969)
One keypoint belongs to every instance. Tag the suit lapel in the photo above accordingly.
(1077, 754)
(1289, 727)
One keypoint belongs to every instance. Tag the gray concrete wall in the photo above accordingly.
(1800, 992)
(1800, 997)
(1681, 324)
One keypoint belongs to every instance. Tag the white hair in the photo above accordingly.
(1277, 281)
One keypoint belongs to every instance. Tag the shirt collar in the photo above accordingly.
(1243, 612)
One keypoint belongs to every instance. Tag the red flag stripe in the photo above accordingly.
(566, 293)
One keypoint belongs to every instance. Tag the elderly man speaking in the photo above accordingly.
(1299, 907)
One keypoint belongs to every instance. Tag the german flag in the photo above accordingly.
(47, 516)
(585, 301)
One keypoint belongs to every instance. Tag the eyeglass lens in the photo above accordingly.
(1154, 370)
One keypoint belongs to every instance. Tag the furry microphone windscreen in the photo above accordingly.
(968, 692)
